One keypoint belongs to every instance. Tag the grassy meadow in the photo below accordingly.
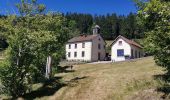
(136, 79)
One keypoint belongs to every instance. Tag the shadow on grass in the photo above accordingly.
(49, 88)
(165, 87)
(65, 69)
(75, 81)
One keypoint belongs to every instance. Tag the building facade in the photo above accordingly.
(123, 48)
(86, 47)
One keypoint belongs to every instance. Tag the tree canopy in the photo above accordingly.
(32, 37)
(111, 25)
(155, 16)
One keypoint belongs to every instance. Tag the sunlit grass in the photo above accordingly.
(110, 81)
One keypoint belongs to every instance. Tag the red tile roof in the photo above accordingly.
(131, 42)
(82, 38)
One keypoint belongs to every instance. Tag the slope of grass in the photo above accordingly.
(112, 81)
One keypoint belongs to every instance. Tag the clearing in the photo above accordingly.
(112, 81)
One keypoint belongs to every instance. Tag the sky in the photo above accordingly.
(99, 7)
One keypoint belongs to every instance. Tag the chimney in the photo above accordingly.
(96, 30)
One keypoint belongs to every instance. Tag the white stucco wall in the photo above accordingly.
(95, 50)
(116, 46)
(79, 49)
(127, 50)
(91, 50)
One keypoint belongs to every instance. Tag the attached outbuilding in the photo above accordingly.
(123, 49)
(86, 47)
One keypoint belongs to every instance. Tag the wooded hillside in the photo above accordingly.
(111, 25)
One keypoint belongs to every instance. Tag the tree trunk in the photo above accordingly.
(48, 68)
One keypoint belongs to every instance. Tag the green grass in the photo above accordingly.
(115, 81)
(112, 81)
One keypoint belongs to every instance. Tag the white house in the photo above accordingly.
(123, 48)
(86, 47)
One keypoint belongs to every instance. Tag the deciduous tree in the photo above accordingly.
(32, 38)
(155, 15)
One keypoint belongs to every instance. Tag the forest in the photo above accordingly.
(111, 25)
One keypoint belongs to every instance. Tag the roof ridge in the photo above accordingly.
(128, 41)
(82, 38)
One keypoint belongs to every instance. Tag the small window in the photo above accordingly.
(99, 39)
(104, 46)
(69, 54)
(120, 42)
(75, 46)
(83, 45)
(120, 52)
(69, 46)
(75, 54)
(83, 53)
(99, 47)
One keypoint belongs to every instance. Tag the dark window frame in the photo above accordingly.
(83, 45)
(99, 46)
(120, 43)
(75, 46)
(69, 54)
(83, 54)
(69, 46)
(120, 53)
(75, 54)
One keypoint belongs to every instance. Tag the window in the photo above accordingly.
(99, 47)
(139, 54)
(83, 53)
(99, 39)
(120, 52)
(69, 46)
(69, 54)
(75, 54)
(104, 46)
(83, 45)
(120, 42)
(75, 46)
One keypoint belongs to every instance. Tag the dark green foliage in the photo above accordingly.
(84, 22)
(30, 7)
(3, 42)
(31, 41)
(111, 25)
(32, 38)
(155, 16)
